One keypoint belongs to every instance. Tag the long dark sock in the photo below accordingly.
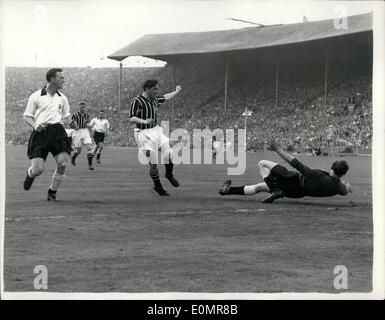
(74, 155)
(98, 156)
(237, 190)
(154, 174)
(169, 167)
(50, 191)
(89, 158)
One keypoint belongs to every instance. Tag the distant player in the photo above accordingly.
(100, 127)
(81, 134)
(149, 135)
(219, 146)
(46, 112)
(281, 182)
(216, 147)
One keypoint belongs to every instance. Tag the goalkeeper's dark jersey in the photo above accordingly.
(317, 182)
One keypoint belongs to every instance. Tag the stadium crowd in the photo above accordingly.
(300, 119)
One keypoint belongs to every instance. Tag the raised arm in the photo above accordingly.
(276, 147)
(171, 95)
(294, 162)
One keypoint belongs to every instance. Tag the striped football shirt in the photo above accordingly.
(81, 119)
(146, 108)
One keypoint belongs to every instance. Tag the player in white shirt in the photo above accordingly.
(47, 111)
(100, 127)
(216, 147)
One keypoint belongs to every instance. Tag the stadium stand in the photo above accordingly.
(300, 119)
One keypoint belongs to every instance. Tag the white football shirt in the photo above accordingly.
(99, 125)
(47, 109)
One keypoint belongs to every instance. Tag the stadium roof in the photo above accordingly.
(159, 46)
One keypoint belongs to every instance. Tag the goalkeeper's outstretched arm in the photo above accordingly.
(275, 146)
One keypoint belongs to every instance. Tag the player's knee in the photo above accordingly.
(61, 164)
(37, 169)
(59, 175)
(266, 164)
(61, 167)
(167, 155)
(262, 163)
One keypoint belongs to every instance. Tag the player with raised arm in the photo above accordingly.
(149, 135)
(46, 112)
(81, 134)
(100, 127)
(306, 181)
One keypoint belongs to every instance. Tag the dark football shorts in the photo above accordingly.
(52, 139)
(288, 181)
(98, 137)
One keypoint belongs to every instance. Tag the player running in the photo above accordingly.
(46, 112)
(281, 182)
(149, 135)
(81, 134)
(100, 127)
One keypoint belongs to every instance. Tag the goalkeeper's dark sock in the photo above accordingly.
(237, 190)
(50, 191)
(154, 173)
(98, 156)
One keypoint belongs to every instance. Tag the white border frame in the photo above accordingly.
(378, 181)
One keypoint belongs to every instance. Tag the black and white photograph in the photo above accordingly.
(187, 149)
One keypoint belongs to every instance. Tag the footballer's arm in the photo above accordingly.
(294, 162)
(31, 122)
(67, 121)
(140, 121)
(171, 95)
(284, 155)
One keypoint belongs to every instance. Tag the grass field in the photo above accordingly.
(110, 233)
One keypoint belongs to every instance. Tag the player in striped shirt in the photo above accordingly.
(81, 134)
(149, 135)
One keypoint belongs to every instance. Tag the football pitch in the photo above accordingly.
(110, 233)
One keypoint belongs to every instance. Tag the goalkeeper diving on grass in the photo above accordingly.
(305, 182)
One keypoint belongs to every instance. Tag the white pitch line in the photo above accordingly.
(54, 217)
(173, 213)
